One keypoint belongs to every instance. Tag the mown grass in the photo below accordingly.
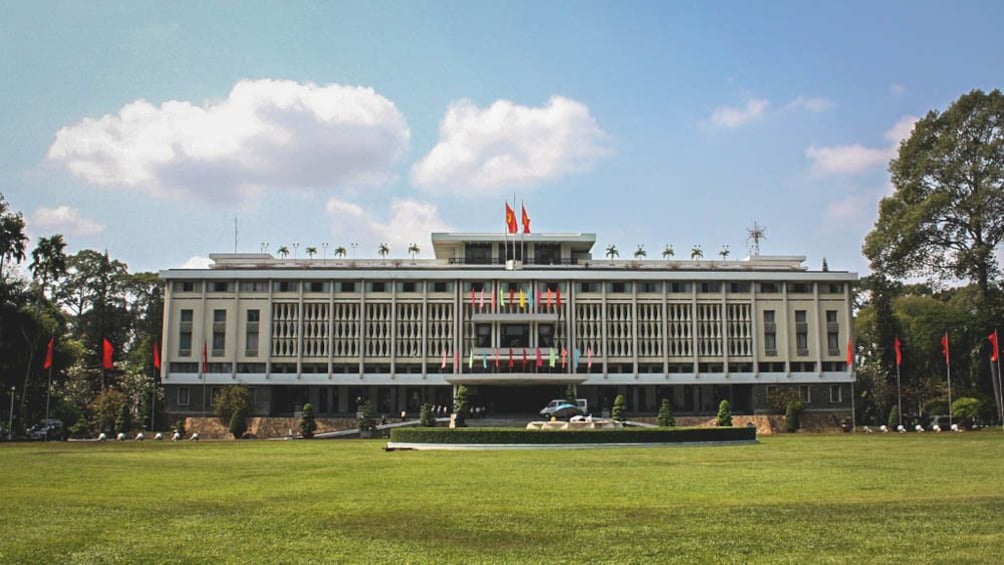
(805, 498)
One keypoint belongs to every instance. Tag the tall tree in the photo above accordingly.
(12, 237)
(946, 216)
(48, 261)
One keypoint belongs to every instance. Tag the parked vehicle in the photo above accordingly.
(47, 429)
(562, 408)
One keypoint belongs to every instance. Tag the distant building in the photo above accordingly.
(516, 320)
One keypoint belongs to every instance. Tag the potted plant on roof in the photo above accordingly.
(696, 253)
(414, 250)
(383, 250)
(612, 252)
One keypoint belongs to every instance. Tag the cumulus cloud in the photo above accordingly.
(507, 145)
(811, 104)
(65, 220)
(731, 117)
(197, 262)
(856, 158)
(265, 134)
(409, 221)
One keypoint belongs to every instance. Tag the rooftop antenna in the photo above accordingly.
(235, 234)
(755, 234)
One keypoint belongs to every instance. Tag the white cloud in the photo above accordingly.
(265, 134)
(856, 158)
(65, 220)
(409, 221)
(509, 145)
(730, 117)
(197, 262)
(811, 104)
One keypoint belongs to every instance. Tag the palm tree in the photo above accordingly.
(724, 252)
(612, 252)
(48, 261)
(414, 250)
(311, 251)
(383, 250)
(640, 252)
(696, 253)
(340, 252)
(668, 252)
(284, 251)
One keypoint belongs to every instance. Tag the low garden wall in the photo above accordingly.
(440, 438)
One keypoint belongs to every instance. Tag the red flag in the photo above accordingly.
(510, 358)
(510, 219)
(512, 295)
(156, 356)
(205, 358)
(899, 353)
(107, 351)
(48, 354)
(557, 296)
(550, 300)
(526, 220)
(994, 355)
(540, 360)
(496, 358)
(524, 358)
(850, 354)
(944, 346)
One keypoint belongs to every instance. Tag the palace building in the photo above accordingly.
(516, 320)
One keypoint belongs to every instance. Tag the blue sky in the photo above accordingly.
(146, 128)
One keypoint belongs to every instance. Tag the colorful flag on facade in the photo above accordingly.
(470, 359)
(472, 296)
(576, 357)
(48, 354)
(550, 357)
(156, 355)
(526, 220)
(443, 364)
(564, 357)
(501, 298)
(850, 354)
(481, 301)
(510, 219)
(589, 357)
(496, 358)
(107, 351)
(484, 360)
(557, 293)
(550, 299)
(995, 352)
(944, 347)
(896, 345)
(493, 302)
(540, 359)
(512, 292)
(510, 358)
(522, 299)
(524, 358)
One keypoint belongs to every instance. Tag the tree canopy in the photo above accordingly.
(946, 217)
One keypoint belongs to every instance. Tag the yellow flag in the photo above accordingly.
(522, 299)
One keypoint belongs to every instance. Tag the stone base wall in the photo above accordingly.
(264, 427)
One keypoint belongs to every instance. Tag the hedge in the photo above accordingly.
(531, 437)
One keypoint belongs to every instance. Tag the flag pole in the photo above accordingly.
(1001, 407)
(48, 393)
(899, 397)
(948, 368)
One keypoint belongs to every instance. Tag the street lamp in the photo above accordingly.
(324, 245)
(354, 245)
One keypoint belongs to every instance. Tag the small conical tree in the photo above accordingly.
(124, 421)
(364, 419)
(665, 418)
(460, 406)
(426, 419)
(893, 420)
(618, 411)
(791, 413)
(239, 423)
(307, 423)
(724, 414)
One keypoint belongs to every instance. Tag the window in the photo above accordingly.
(478, 254)
(477, 286)
(710, 287)
(219, 332)
(831, 288)
(410, 286)
(800, 288)
(253, 286)
(679, 288)
(285, 286)
(805, 394)
(515, 335)
(769, 334)
(832, 333)
(251, 334)
(620, 287)
(739, 287)
(184, 396)
(317, 286)
(547, 254)
(801, 333)
(221, 286)
(836, 394)
(483, 335)
(589, 287)
(545, 335)
(769, 288)
(348, 286)
(440, 287)
(378, 286)
(184, 286)
(185, 334)
(649, 287)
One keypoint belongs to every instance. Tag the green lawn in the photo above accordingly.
(807, 498)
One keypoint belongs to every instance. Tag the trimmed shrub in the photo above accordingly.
(541, 437)
(106, 408)
(618, 411)
(724, 414)
(238, 424)
(426, 419)
(123, 423)
(364, 418)
(967, 409)
(893, 420)
(179, 426)
(791, 414)
(307, 424)
(665, 418)
(230, 400)
(460, 406)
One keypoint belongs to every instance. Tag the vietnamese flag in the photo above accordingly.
(526, 220)
(944, 347)
(994, 355)
(156, 356)
(510, 219)
(850, 354)
(106, 353)
(899, 352)
(48, 354)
